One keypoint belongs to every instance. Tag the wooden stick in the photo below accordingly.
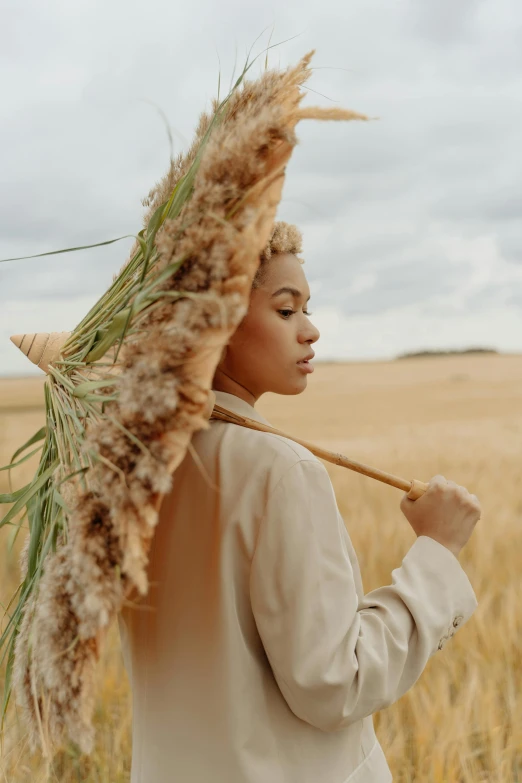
(414, 488)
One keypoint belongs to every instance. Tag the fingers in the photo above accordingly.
(438, 480)
(440, 483)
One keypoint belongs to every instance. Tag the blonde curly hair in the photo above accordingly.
(285, 238)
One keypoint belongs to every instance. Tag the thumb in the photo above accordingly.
(406, 501)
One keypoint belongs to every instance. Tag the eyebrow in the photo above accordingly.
(287, 289)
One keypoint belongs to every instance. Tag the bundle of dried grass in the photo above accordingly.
(131, 385)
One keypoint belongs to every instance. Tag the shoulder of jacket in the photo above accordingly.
(276, 448)
(278, 459)
(289, 451)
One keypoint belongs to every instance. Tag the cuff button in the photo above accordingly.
(457, 620)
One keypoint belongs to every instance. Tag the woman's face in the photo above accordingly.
(265, 351)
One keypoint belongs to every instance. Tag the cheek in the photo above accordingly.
(269, 332)
(265, 334)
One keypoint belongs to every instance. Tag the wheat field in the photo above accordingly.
(456, 415)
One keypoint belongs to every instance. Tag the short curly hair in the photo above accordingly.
(285, 238)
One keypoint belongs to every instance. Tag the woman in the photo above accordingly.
(256, 657)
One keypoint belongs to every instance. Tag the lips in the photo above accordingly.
(304, 364)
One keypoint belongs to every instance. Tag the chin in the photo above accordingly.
(293, 388)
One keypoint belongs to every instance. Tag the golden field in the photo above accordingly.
(460, 416)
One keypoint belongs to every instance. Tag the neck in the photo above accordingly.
(223, 382)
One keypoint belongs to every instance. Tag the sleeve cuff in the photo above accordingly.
(433, 556)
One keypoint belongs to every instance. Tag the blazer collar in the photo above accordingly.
(237, 405)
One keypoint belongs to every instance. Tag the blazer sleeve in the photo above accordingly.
(337, 659)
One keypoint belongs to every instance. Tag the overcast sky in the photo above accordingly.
(411, 223)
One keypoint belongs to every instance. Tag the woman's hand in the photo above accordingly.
(446, 512)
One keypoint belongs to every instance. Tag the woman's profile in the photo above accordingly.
(256, 657)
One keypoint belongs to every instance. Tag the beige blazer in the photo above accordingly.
(256, 657)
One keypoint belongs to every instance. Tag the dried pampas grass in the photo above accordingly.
(118, 429)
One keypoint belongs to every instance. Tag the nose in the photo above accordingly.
(310, 333)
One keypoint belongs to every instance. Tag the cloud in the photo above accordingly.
(445, 22)
(413, 216)
(376, 336)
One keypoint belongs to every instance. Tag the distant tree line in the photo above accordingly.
(435, 352)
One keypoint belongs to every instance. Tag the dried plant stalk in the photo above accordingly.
(198, 267)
